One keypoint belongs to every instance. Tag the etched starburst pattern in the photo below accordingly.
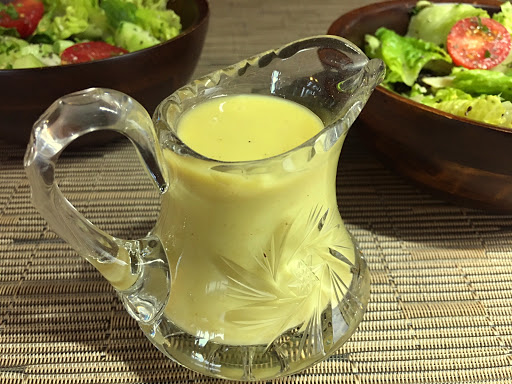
(305, 268)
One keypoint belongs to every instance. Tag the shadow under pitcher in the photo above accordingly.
(249, 272)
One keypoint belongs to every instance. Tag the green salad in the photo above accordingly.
(454, 57)
(38, 33)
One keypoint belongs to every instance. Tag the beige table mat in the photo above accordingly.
(440, 309)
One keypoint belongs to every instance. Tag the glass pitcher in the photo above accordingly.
(249, 272)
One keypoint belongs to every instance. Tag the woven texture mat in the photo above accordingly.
(440, 309)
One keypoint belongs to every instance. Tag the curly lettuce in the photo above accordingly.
(405, 57)
(82, 20)
(505, 16)
(151, 16)
(162, 24)
(489, 109)
(66, 18)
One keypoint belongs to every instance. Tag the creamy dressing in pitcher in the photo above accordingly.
(247, 127)
(250, 251)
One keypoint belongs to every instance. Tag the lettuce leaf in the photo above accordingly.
(485, 108)
(9, 48)
(162, 24)
(158, 5)
(505, 16)
(152, 16)
(432, 23)
(81, 18)
(482, 82)
(133, 37)
(118, 11)
(404, 56)
(474, 82)
(18, 53)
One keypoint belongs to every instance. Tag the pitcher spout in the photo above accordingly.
(336, 82)
(375, 70)
(353, 90)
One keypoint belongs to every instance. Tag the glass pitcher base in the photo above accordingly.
(293, 351)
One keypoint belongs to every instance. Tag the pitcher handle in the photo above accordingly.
(64, 121)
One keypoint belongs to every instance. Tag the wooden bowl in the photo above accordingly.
(148, 75)
(461, 160)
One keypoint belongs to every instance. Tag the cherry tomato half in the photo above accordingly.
(27, 15)
(478, 43)
(89, 51)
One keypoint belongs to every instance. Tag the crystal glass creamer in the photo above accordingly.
(249, 272)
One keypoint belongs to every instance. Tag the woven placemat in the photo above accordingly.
(440, 309)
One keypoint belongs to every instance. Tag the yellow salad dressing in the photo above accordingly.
(250, 247)
(247, 127)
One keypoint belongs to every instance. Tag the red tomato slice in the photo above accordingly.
(89, 51)
(29, 13)
(478, 43)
